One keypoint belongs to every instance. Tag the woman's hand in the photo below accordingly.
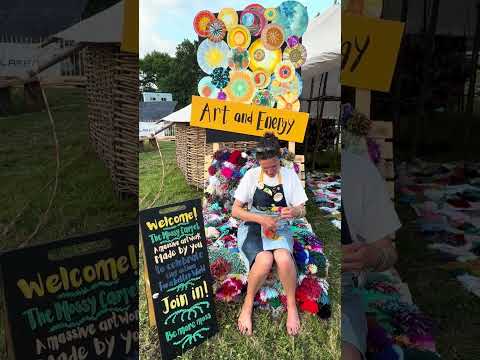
(268, 222)
(358, 257)
(291, 212)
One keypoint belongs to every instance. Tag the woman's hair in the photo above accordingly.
(268, 147)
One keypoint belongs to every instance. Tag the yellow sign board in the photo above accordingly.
(248, 119)
(369, 51)
(130, 26)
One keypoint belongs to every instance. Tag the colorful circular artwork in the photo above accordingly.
(216, 30)
(285, 71)
(201, 21)
(293, 17)
(239, 59)
(241, 87)
(256, 7)
(253, 20)
(297, 55)
(273, 36)
(293, 41)
(222, 95)
(291, 90)
(263, 98)
(262, 58)
(229, 17)
(239, 37)
(270, 14)
(206, 89)
(211, 55)
(221, 77)
(284, 104)
(261, 78)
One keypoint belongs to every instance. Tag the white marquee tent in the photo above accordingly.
(323, 43)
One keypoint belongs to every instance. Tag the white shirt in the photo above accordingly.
(368, 209)
(292, 187)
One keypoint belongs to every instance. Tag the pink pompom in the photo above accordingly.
(227, 173)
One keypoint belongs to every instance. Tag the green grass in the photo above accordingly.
(85, 201)
(319, 339)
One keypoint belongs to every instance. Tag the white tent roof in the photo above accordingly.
(322, 40)
(323, 43)
(104, 27)
(180, 116)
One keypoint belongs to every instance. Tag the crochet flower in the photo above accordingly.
(296, 167)
(234, 157)
(309, 306)
(227, 172)
(229, 290)
(212, 170)
(359, 124)
(220, 268)
(373, 150)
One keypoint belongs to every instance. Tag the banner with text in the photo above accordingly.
(369, 51)
(76, 298)
(178, 269)
(248, 119)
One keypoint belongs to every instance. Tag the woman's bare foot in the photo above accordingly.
(245, 319)
(293, 321)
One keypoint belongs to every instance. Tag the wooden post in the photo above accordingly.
(363, 100)
(33, 96)
(473, 71)
(148, 292)
(5, 100)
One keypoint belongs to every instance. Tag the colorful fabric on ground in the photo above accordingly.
(227, 268)
(446, 200)
(327, 189)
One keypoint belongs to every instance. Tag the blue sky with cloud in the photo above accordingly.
(166, 23)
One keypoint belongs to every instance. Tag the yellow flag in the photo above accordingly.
(130, 26)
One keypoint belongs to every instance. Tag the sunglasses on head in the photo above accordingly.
(267, 149)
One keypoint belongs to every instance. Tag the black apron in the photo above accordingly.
(265, 197)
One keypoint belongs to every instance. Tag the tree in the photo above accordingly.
(185, 73)
(178, 75)
(154, 69)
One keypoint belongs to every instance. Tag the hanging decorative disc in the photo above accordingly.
(255, 7)
(211, 55)
(206, 89)
(221, 77)
(284, 104)
(271, 14)
(285, 71)
(238, 59)
(293, 41)
(293, 17)
(253, 20)
(261, 78)
(216, 30)
(241, 87)
(229, 17)
(262, 58)
(263, 98)
(201, 21)
(273, 36)
(239, 37)
(297, 55)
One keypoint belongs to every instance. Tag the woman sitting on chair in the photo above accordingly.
(262, 189)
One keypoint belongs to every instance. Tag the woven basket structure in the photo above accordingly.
(112, 94)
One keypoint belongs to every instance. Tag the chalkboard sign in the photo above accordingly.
(74, 299)
(177, 261)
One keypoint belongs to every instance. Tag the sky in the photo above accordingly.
(166, 23)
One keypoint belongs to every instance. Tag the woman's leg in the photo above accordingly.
(256, 277)
(287, 273)
(350, 352)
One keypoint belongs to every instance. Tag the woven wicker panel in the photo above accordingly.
(99, 67)
(112, 94)
(125, 123)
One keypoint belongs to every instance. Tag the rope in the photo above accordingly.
(44, 217)
(163, 176)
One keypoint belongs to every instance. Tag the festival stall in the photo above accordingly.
(111, 66)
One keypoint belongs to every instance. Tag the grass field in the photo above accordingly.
(318, 340)
(85, 201)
